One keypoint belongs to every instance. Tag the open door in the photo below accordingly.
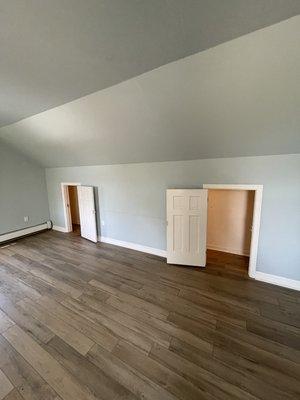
(186, 230)
(87, 211)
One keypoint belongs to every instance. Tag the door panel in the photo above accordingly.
(186, 231)
(178, 233)
(194, 238)
(87, 211)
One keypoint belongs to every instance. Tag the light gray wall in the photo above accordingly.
(132, 200)
(241, 98)
(22, 192)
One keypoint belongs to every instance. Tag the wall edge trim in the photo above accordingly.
(59, 228)
(259, 276)
(277, 280)
(133, 246)
(228, 250)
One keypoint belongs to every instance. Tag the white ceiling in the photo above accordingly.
(239, 98)
(55, 51)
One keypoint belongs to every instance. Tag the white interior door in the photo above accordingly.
(187, 223)
(87, 211)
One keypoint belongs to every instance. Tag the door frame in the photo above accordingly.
(258, 192)
(66, 200)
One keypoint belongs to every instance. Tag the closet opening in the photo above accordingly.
(79, 210)
(233, 224)
(217, 225)
(74, 209)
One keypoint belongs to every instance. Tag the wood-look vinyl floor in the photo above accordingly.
(94, 321)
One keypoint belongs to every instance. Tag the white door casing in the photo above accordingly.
(187, 225)
(87, 211)
(256, 218)
(66, 200)
(66, 205)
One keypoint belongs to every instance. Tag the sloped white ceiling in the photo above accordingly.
(54, 51)
(239, 98)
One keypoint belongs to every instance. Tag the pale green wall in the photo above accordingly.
(22, 192)
(132, 200)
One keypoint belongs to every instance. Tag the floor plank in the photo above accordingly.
(5, 385)
(56, 376)
(89, 321)
(132, 379)
(24, 378)
(86, 372)
(5, 322)
(58, 326)
(14, 395)
(233, 375)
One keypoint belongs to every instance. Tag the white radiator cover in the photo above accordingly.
(26, 231)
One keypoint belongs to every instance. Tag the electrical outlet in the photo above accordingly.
(102, 223)
(26, 218)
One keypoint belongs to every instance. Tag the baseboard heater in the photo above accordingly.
(8, 237)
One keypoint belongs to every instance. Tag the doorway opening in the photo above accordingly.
(79, 208)
(229, 225)
(70, 196)
(74, 209)
(187, 224)
(233, 222)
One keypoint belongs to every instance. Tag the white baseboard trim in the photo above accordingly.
(133, 246)
(260, 276)
(228, 250)
(23, 232)
(277, 280)
(59, 228)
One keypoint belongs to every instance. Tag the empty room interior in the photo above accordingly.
(150, 200)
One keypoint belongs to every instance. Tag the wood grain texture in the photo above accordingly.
(14, 395)
(5, 322)
(81, 321)
(5, 385)
(24, 378)
(49, 369)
